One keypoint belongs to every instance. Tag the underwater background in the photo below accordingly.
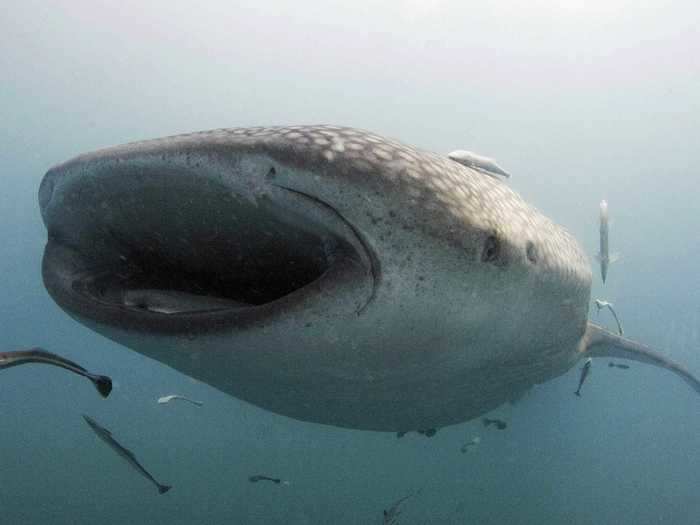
(580, 101)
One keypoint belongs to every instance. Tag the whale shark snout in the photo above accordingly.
(323, 273)
(133, 239)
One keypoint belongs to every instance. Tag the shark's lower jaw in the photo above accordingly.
(164, 252)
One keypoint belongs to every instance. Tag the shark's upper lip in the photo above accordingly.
(177, 250)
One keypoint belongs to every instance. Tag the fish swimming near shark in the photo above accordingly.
(605, 304)
(106, 436)
(604, 257)
(259, 477)
(172, 302)
(103, 384)
(499, 424)
(391, 515)
(471, 444)
(478, 162)
(585, 371)
(324, 273)
(172, 397)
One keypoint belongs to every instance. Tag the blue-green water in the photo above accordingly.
(579, 102)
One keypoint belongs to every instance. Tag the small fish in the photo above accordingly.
(392, 514)
(604, 256)
(478, 162)
(168, 399)
(39, 355)
(260, 477)
(618, 365)
(170, 302)
(584, 374)
(500, 425)
(605, 304)
(106, 436)
(428, 432)
(473, 442)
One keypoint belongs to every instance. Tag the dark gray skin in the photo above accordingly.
(103, 384)
(324, 273)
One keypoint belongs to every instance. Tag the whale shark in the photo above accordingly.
(323, 273)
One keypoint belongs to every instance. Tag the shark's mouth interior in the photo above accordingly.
(164, 245)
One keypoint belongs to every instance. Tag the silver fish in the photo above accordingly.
(106, 436)
(172, 302)
(585, 370)
(472, 443)
(478, 162)
(604, 304)
(168, 399)
(103, 384)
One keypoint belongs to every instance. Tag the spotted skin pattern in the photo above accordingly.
(478, 295)
(453, 198)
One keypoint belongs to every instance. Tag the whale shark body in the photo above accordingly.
(324, 273)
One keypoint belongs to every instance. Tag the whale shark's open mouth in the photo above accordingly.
(175, 250)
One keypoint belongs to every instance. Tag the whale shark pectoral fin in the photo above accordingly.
(598, 342)
(615, 257)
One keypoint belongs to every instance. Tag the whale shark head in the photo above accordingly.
(324, 273)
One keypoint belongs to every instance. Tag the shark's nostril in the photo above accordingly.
(531, 252)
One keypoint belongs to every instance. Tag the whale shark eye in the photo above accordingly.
(492, 249)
